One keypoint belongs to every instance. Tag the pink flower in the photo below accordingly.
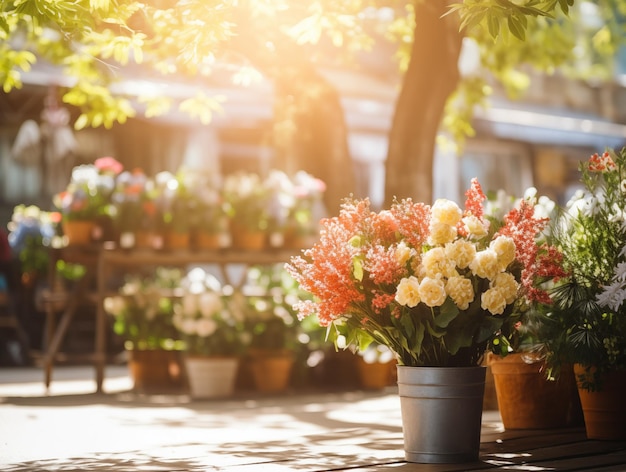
(109, 164)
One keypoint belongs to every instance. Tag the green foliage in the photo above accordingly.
(587, 323)
(93, 40)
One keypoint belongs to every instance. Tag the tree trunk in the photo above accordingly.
(431, 77)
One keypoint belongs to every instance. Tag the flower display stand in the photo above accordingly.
(604, 409)
(211, 377)
(441, 412)
(527, 400)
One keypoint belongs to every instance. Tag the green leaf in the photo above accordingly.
(447, 312)
(357, 268)
(517, 26)
(494, 25)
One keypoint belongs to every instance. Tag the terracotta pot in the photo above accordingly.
(176, 240)
(271, 370)
(156, 371)
(78, 232)
(527, 400)
(604, 410)
(143, 239)
(208, 241)
(375, 375)
(244, 238)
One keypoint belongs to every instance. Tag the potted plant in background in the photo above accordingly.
(527, 397)
(85, 204)
(275, 345)
(213, 336)
(587, 324)
(246, 200)
(210, 221)
(435, 285)
(142, 312)
(307, 210)
(174, 200)
(127, 200)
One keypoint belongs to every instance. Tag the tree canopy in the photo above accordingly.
(96, 43)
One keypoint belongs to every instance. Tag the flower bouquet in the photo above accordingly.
(434, 283)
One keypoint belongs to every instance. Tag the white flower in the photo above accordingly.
(407, 293)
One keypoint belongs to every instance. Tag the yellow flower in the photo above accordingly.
(432, 291)
(461, 291)
(493, 301)
(441, 233)
(407, 292)
(436, 264)
(446, 212)
(508, 286)
(475, 227)
(462, 252)
(485, 264)
(504, 247)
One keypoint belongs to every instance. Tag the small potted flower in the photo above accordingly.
(587, 324)
(127, 200)
(274, 345)
(435, 284)
(142, 314)
(85, 204)
(246, 200)
(308, 208)
(209, 223)
(173, 199)
(212, 334)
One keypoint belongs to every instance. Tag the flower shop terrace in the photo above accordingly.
(310, 431)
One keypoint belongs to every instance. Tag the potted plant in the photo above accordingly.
(127, 200)
(527, 397)
(142, 312)
(172, 198)
(209, 218)
(85, 205)
(246, 200)
(435, 285)
(213, 336)
(302, 225)
(587, 324)
(274, 346)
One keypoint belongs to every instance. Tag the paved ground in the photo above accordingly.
(72, 428)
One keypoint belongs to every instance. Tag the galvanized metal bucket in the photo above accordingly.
(441, 412)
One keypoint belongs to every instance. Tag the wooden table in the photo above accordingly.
(102, 260)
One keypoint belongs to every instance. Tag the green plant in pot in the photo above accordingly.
(143, 309)
(213, 335)
(276, 344)
(586, 326)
